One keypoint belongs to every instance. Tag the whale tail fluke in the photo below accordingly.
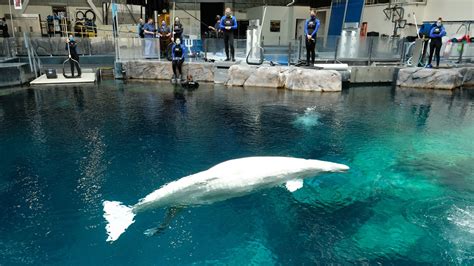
(119, 217)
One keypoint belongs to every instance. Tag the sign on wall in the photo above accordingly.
(17, 4)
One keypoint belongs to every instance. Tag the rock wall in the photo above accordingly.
(444, 79)
(284, 77)
(162, 70)
(468, 76)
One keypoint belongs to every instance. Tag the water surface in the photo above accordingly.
(408, 198)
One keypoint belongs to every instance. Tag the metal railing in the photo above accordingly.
(350, 48)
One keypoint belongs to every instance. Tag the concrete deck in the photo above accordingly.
(85, 78)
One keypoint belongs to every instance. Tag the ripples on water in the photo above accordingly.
(407, 199)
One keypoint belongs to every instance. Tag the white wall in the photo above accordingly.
(377, 21)
(449, 10)
(287, 17)
(323, 30)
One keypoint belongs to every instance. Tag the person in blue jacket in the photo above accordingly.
(311, 27)
(178, 50)
(228, 25)
(436, 34)
(424, 34)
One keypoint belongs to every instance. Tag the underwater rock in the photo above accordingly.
(238, 75)
(443, 79)
(162, 70)
(313, 80)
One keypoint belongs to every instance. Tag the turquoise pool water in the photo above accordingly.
(408, 198)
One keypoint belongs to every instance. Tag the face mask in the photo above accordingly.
(71, 39)
(178, 42)
(438, 23)
(313, 16)
(227, 14)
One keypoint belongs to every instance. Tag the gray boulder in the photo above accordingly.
(313, 80)
(443, 79)
(162, 70)
(266, 77)
(238, 74)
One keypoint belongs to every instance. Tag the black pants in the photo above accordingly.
(74, 64)
(435, 49)
(177, 67)
(425, 48)
(229, 40)
(310, 50)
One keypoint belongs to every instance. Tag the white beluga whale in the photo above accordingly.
(230, 179)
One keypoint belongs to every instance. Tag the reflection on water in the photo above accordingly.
(406, 200)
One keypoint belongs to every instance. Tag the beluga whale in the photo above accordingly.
(229, 179)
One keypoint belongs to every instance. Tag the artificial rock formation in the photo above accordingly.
(162, 70)
(284, 77)
(444, 79)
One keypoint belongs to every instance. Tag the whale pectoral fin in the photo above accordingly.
(170, 214)
(294, 185)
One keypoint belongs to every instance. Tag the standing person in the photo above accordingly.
(310, 29)
(424, 33)
(149, 32)
(436, 34)
(140, 25)
(71, 47)
(228, 25)
(216, 30)
(165, 36)
(177, 29)
(177, 51)
(4, 28)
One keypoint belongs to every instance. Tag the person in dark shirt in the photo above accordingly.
(4, 28)
(436, 34)
(178, 50)
(177, 29)
(310, 29)
(216, 32)
(140, 31)
(165, 37)
(71, 47)
(228, 26)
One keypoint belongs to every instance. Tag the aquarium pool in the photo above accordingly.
(407, 199)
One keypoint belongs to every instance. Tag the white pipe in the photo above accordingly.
(261, 27)
(11, 18)
(292, 2)
(416, 25)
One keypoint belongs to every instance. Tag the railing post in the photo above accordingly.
(337, 46)
(289, 53)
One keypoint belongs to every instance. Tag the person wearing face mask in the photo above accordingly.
(178, 51)
(310, 29)
(228, 25)
(165, 36)
(71, 47)
(436, 34)
(177, 29)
